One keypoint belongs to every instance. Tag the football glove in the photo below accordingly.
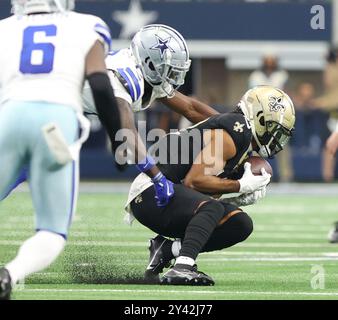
(247, 199)
(250, 183)
(164, 189)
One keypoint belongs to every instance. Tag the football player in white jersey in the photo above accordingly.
(43, 66)
(154, 67)
(47, 52)
(141, 76)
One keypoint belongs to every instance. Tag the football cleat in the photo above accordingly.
(160, 258)
(333, 234)
(5, 284)
(186, 276)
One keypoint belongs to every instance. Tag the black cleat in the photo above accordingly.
(186, 276)
(5, 284)
(160, 258)
(333, 234)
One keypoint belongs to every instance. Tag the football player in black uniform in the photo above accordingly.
(332, 147)
(202, 161)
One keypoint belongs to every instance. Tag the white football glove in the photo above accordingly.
(247, 199)
(250, 183)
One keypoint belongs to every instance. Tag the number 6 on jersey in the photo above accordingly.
(30, 62)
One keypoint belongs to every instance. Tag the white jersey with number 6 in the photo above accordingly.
(43, 56)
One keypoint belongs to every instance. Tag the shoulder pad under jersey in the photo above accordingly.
(122, 64)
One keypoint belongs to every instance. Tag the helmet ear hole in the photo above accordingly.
(262, 121)
(151, 66)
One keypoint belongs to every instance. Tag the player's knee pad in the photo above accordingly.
(234, 230)
(244, 225)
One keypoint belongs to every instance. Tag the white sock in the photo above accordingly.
(185, 260)
(176, 248)
(35, 254)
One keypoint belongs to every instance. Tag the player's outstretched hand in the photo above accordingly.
(250, 182)
(164, 189)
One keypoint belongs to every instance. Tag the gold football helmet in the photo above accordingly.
(271, 115)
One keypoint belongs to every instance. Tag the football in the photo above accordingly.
(257, 163)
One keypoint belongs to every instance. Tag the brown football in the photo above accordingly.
(257, 163)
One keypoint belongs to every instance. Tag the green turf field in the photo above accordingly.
(105, 258)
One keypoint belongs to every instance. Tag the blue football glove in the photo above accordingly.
(164, 189)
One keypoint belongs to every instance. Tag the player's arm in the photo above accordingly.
(135, 145)
(103, 93)
(210, 162)
(164, 189)
(193, 109)
(115, 114)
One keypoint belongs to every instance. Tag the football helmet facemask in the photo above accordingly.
(271, 115)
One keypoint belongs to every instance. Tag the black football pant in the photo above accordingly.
(204, 224)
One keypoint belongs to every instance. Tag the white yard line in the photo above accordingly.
(272, 254)
(271, 259)
(295, 236)
(267, 258)
(304, 227)
(202, 292)
(286, 245)
(85, 236)
(251, 244)
(248, 255)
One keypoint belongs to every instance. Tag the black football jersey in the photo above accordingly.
(177, 151)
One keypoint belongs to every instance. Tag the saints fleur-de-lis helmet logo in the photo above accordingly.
(238, 127)
(276, 104)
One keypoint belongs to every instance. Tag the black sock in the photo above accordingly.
(200, 228)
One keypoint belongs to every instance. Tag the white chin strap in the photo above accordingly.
(264, 152)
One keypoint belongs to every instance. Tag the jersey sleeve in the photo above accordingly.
(91, 29)
(103, 33)
(237, 127)
(119, 90)
(88, 100)
(130, 80)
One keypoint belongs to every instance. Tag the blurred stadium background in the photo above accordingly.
(234, 44)
(229, 40)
